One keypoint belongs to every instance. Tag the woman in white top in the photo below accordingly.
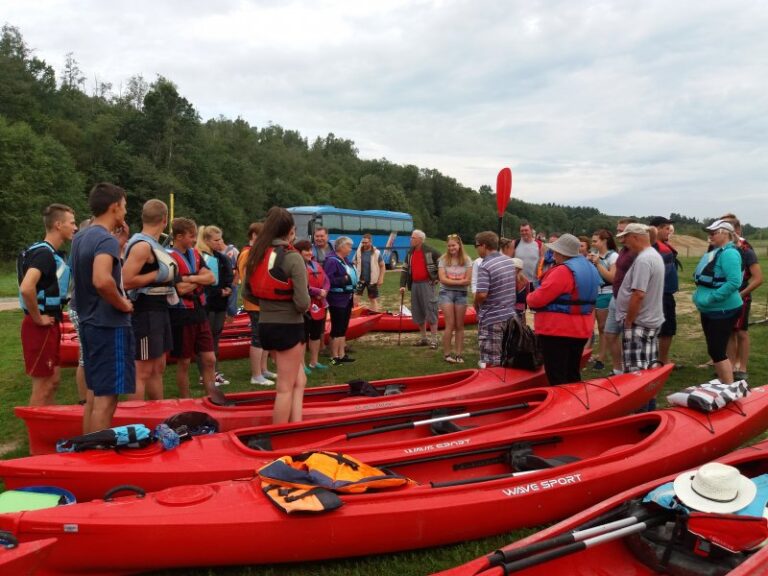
(603, 256)
(455, 273)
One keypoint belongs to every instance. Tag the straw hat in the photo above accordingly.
(715, 487)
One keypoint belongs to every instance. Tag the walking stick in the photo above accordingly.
(400, 327)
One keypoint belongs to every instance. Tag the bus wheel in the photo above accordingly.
(393, 261)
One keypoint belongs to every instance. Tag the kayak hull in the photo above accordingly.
(235, 341)
(230, 523)
(225, 456)
(615, 557)
(47, 424)
(24, 558)
(391, 322)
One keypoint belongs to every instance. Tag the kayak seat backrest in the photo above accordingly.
(392, 389)
(524, 459)
(447, 427)
(667, 550)
(259, 442)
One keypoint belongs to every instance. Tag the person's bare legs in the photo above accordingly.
(44, 388)
(289, 365)
(665, 343)
(601, 315)
(724, 371)
(82, 389)
(613, 342)
(742, 339)
(182, 376)
(458, 340)
(448, 314)
(102, 410)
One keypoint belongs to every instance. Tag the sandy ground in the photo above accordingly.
(9, 304)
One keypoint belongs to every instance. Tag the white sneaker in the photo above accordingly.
(261, 381)
(269, 375)
(220, 380)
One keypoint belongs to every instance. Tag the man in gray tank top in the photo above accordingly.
(530, 251)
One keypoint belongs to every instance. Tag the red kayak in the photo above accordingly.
(621, 556)
(391, 322)
(47, 424)
(460, 494)
(25, 558)
(234, 344)
(392, 434)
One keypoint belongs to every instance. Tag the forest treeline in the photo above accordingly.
(59, 136)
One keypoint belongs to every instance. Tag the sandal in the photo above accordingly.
(424, 342)
(458, 359)
(449, 358)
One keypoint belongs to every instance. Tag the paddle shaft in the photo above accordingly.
(579, 546)
(506, 556)
(415, 423)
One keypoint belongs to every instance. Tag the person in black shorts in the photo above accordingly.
(149, 281)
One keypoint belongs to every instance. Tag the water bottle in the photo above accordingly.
(167, 435)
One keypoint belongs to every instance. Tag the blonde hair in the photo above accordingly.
(204, 234)
(461, 256)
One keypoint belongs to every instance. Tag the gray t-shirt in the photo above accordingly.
(528, 252)
(645, 274)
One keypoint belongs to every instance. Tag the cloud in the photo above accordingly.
(633, 107)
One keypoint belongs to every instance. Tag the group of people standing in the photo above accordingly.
(134, 301)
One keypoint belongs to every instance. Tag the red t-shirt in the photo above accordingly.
(419, 266)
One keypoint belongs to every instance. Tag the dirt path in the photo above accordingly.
(9, 304)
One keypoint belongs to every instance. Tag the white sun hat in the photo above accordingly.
(716, 488)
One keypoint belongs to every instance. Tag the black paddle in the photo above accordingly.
(415, 423)
(507, 556)
(579, 546)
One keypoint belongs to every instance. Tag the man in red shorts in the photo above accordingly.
(43, 276)
(189, 320)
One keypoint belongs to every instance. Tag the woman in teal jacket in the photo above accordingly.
(718, 277)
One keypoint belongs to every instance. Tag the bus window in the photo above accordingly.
(333, 223)
(383, 225)
(367, 224)
(302, 222)
(351, 224)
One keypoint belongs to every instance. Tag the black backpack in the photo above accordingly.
(519, 346)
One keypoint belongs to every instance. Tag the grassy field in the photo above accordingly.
(378, 357)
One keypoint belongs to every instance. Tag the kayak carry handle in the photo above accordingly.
(109, 495)
(8, 540)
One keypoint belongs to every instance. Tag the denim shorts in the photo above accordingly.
(457, 297)
(612, 326)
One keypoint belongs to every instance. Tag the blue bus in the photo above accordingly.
(390, 231)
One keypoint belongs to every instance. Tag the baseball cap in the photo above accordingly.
(720, 225)
(634, 228)
(660, 221)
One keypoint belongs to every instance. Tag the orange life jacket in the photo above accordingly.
(269, 281)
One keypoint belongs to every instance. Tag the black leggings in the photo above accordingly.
(717, 332)
(562, 358)
(340, 319)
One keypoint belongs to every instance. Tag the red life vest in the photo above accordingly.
(191, 299)
(269, 281)
(316, 279)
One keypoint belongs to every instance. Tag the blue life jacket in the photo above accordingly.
(664, 496)
(165, 265)
(351, 274)
(53, 297)
(604, 262)
(705, 270)
(213, 265)
(587, 282)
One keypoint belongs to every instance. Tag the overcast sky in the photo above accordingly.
(643, 107)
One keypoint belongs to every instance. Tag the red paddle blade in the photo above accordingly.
(503, 190)
(729, 531)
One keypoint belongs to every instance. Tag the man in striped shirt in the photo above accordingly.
(494, 297)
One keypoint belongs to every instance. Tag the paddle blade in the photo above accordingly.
(503, 190)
